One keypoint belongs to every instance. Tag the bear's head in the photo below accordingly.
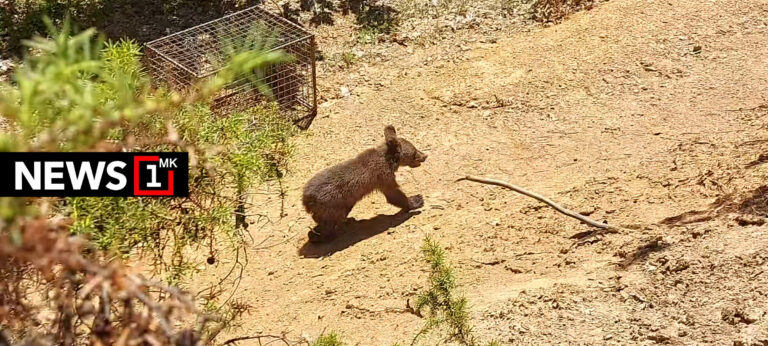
(401, 150)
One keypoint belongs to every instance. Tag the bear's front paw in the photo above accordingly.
(315, 237)
(415, 202)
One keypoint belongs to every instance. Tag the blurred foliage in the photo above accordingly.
(79, 93)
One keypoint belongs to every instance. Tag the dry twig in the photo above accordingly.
(542, 199)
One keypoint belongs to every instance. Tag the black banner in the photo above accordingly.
(94, 174)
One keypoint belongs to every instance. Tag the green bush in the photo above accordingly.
(80, 93)
(331, 339)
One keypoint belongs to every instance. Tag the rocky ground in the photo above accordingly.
(648, 114)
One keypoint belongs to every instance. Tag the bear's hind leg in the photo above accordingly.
(322, 233)
(329, 224)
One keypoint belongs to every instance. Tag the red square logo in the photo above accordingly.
(139, 189)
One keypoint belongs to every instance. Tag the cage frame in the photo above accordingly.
(181, 76)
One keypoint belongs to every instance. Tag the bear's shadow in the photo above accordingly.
(354, 232)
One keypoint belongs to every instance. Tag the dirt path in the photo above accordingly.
(636, 111)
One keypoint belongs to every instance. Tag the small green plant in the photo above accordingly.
(330, 339)
(349, 58)
(368, 36)
(445, 307)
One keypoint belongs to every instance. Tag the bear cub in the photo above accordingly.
(330, 195)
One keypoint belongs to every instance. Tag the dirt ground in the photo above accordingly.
(648, 114)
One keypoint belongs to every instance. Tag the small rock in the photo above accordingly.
(648, 66)
(752, 315)
(677, 265)
(5, 65)
(345, 92)
(750, 220)
(697, 49)
(658, 338)
(734, 315)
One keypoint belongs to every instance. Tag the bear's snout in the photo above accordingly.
(420, 157)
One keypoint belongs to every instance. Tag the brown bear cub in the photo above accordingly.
(330, 195)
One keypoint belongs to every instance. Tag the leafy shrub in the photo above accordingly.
(109, 102)
(380, 19)
(78, 93)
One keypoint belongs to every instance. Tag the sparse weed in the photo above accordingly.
(330, 339)
(349, 58)
(368, 36)
(446, 308)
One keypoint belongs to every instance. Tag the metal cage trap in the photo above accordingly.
(185, 58)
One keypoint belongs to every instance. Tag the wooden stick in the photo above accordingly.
(540, 198)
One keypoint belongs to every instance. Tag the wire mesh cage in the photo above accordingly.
(183, 59)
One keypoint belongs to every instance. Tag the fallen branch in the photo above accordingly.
(542, 199)
(259, 337)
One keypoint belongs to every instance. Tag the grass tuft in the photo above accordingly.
(331, 339)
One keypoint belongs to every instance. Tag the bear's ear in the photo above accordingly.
(390, 135)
